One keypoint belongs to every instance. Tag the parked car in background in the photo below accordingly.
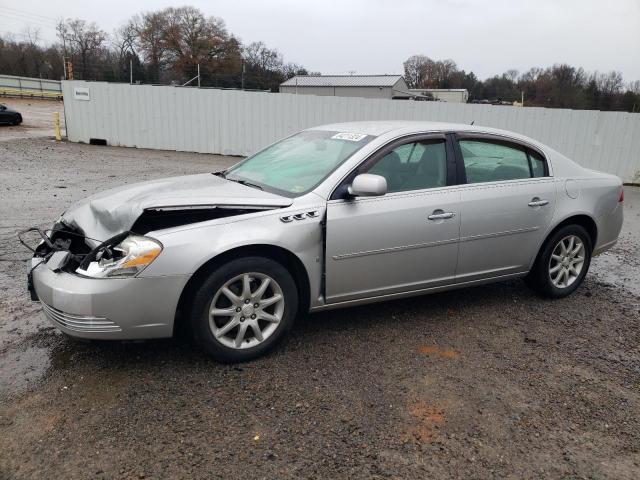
(330, 217)
(9, 116)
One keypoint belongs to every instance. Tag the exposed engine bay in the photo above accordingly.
(66, 248)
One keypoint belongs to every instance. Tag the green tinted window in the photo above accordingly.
(489, 162)
(297, 164)
(414, 166)
(537, 164)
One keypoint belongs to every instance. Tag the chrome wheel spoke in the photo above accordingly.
(256, 331)
(270, 301)
(230, 295)
(246, 286)
(240, 335)
(223, 312)
(268, 317)
(557, 258)
(227, 327)
(257, 295)
(556, 268)
(572, 242)
(563, 248)
(562, 280)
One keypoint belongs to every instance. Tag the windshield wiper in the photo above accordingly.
(246, 183)
(221, 174)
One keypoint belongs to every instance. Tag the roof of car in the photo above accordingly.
(402, 127)
(377, 128)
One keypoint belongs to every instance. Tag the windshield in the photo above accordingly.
(299, 163)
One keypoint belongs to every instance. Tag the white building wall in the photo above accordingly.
(362, 92)
(234, 122)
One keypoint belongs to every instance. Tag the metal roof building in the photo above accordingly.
(452, 95)
(368, 86)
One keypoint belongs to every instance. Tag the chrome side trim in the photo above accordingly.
(498, 234)
(414, 293)
(393, 249)
(79, 323)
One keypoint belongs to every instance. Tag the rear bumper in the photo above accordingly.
(117, 309)
(609, 227)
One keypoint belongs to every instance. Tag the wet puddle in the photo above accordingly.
(617, 269)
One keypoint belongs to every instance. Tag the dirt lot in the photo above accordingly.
(489, 382)
(37, 118)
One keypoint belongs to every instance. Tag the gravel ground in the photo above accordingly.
(37, 118)
(487, 382)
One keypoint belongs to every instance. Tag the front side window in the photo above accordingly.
(299, 163)
(487, 161)
(413, 166)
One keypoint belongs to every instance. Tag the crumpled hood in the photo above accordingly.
(108, 213)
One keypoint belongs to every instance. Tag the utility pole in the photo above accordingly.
(198, 75)
(130, 71)
(522, 98)
(242, 76)
(64, 67)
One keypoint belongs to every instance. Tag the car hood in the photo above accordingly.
(111, 212)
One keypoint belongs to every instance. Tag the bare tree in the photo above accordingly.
(82, 39)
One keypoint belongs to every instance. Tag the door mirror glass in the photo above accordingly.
(368, 185)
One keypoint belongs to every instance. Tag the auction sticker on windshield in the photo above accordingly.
(352, 137)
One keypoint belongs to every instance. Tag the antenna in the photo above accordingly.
(472, 122)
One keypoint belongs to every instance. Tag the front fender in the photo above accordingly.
(188, 249)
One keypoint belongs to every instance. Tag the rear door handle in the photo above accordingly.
(536, 202)
(441, 216)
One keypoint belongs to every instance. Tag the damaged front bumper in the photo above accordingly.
(108, 308)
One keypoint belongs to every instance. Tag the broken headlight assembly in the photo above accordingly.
(124, 255)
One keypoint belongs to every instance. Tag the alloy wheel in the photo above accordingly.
(246, 310)
(567, 261)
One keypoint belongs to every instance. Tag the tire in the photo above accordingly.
(243, 331)
(562, 263)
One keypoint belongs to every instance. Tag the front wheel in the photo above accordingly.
(562, 263)
(243, 309)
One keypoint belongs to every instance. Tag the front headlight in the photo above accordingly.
(121, 256)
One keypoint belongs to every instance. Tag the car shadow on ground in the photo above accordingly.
(310, 333)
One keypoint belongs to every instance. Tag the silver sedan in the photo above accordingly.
(333, 216)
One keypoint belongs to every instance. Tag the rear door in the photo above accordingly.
(506, 206)
(404, 240)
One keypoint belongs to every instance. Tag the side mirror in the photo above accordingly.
(368, 185)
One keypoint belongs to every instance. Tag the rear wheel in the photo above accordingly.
(243, 309)
(562, 263)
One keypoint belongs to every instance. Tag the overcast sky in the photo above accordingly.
(376, 36)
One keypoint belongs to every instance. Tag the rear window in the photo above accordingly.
(488, 161)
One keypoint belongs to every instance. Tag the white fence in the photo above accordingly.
(234, 122)
(30, 87)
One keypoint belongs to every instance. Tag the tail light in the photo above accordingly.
(621, 199)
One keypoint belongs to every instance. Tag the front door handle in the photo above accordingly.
(536, 202)
(441, 216)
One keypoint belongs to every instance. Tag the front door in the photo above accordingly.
(402, 241)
